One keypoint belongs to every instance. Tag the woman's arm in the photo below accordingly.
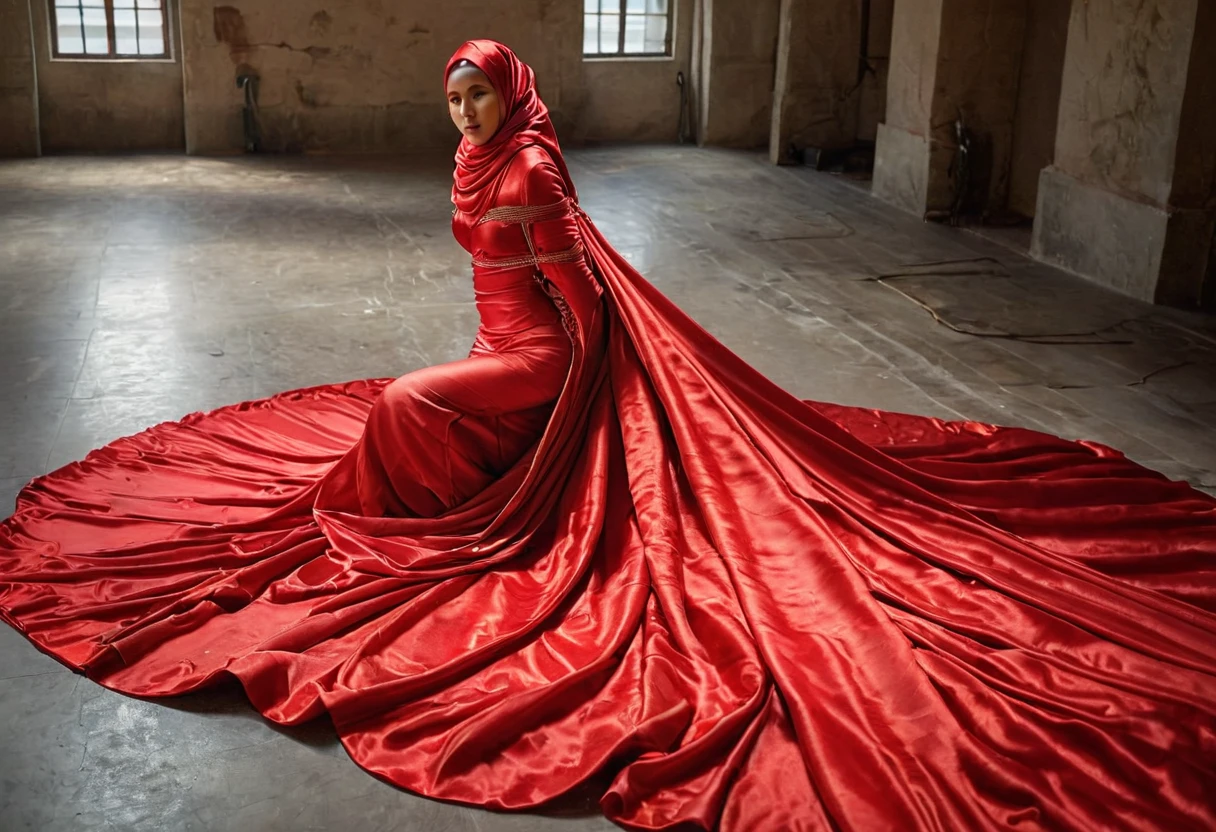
(556, 242)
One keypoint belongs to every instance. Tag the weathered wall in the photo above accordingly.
(739, 52)
(1136, 136)
(915, 32)
(979, 67)
(336, 76)
(872, 102)
(816, 90)
(904, 153)
(1038, 104)
(950, 59)
(367, 76)
(107, 105)
(1121, 99)
(1194, 181)
(1190, 264)
(359, 75)
(18, 81)
(637, 99)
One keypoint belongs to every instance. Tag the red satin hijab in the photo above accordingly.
(525, 122)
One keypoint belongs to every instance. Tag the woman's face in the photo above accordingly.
(473, 104)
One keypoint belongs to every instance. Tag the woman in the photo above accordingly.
(603, 546)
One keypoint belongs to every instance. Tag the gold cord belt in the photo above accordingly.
(529, 213)
(567, 256)
(525, 214)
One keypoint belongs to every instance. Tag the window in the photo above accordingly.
(646, 29)
(110, 28)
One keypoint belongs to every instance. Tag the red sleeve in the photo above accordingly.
(571, 275)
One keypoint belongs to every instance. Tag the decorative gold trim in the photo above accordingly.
(567, 256)
(529, 213)
(528, 238)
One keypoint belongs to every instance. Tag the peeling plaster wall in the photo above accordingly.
(107, 105)
(18, 82)
(1038, 105)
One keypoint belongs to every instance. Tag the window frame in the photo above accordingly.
(621, 54)
(111, 40)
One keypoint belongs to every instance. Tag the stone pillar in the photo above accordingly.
(18, 82)
(949, 58)
(817, 85)
(737, 45)
(1130, 201)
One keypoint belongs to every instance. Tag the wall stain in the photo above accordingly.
(229, 26)
(320, 22)
(305, 96)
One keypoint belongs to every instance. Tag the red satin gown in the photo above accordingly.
(604, 547)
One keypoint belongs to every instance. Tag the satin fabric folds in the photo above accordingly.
(631, 560)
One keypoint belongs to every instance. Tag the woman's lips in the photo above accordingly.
(471, 127)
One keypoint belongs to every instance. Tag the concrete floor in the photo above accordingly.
(138, 289)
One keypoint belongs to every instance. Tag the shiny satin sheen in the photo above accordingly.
(604, 549)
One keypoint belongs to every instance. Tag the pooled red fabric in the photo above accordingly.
(605, 549)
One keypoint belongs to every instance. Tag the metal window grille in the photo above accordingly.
(109, 28)
(627, 28)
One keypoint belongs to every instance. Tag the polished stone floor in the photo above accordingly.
(137, 289)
